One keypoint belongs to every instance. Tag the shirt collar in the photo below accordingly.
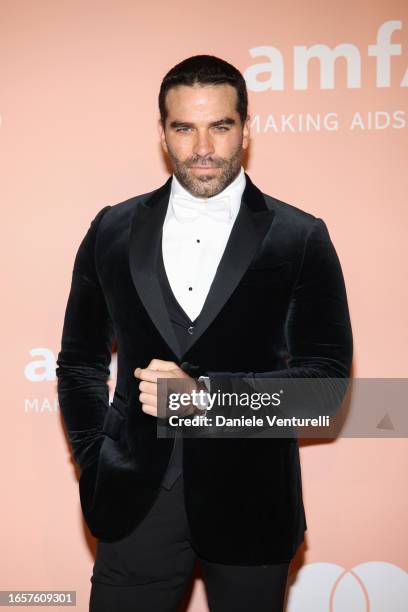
(234, 191)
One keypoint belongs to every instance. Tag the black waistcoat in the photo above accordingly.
(183, 327)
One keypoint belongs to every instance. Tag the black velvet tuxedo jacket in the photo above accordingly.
(277, 305)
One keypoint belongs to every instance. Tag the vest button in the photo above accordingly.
(191, 329)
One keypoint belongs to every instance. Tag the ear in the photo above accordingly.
(162, 135)
(246, 133)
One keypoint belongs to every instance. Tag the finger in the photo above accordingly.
(149, 409)
(148, 387)
(151, 400)
(152, 376)
(147, 374)
(161, 364)
(166, 374)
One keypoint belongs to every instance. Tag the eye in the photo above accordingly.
(221, 128)
(182, 129)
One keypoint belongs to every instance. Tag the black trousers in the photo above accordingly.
(151, 569)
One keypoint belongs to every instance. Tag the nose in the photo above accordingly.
(203, 144)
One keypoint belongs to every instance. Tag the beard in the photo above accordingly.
(207, 185)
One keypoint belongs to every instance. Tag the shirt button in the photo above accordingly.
(190, 288)
(191, 329)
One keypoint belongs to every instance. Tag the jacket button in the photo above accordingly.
(191, 329)
(190, 368)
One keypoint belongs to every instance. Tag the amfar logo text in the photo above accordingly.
(383, 50)
(42, 370)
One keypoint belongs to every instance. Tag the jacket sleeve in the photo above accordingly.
(318, 337)
(83, 361)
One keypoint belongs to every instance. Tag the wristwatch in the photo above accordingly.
(202, 404)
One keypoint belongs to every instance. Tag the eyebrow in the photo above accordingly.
(224, 121)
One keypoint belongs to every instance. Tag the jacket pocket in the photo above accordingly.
(115, 417)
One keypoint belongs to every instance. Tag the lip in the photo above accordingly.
(203, 168)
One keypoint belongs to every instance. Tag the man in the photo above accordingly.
(202, 279)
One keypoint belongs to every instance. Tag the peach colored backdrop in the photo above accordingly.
(78, 112)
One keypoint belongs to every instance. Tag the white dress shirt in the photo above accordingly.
(193, 241)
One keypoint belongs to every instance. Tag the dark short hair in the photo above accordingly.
(206, 70)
